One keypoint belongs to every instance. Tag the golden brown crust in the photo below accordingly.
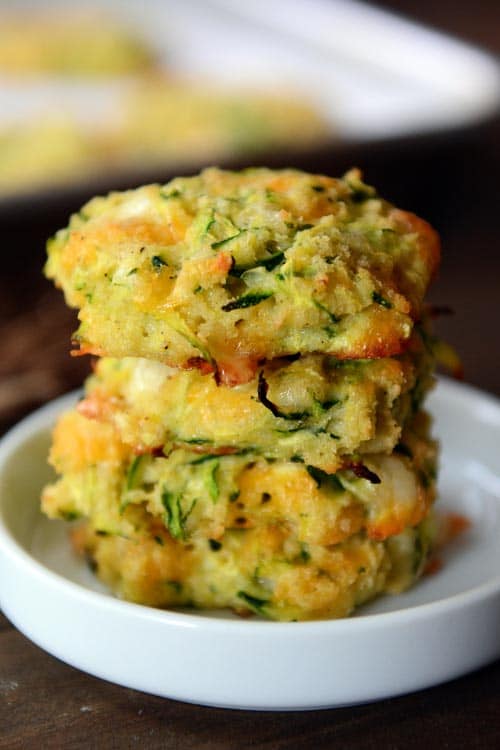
(223, 270)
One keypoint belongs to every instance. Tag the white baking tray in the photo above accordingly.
(374, 76)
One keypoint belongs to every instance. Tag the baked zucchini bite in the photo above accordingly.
(317, 409)
(265, 570)
(226, 269)
(202, 496)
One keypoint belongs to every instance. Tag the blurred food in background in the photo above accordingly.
(155, 122)
(76, 42)
(192, 121)
(141, 117)
(48, 150)
(112, 93)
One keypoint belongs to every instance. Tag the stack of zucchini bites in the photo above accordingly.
(252, 434)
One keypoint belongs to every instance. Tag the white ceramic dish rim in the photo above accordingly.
(258, 665)
(18, 434)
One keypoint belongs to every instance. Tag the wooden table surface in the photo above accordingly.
(47, 704)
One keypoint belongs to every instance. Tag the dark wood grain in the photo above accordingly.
(47, 704)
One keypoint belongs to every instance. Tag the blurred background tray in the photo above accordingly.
(379, 81)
